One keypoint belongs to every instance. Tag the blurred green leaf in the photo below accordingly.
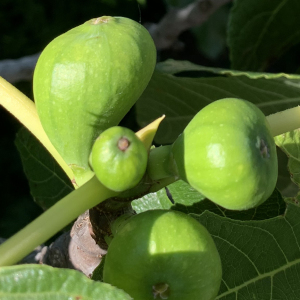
(178, 3)
(142, 2)
(27, 282)
(261, 31)
(48, 182)
(211, 35)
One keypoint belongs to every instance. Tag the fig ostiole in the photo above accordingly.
(228, 154)
(163, 254)
(119, 158)
(87, 79)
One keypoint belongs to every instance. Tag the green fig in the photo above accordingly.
(161, 254)
(87, 79)
(119, 158)
(228, 154)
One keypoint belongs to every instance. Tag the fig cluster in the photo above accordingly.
(85, 81)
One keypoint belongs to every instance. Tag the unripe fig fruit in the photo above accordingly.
(119, 158)
(228, 154)
(160, 254)
(87, 79)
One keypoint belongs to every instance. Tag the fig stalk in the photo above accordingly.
(22, 108)
(53, 220)
(66, 210)
(284, 121)
(161, 163)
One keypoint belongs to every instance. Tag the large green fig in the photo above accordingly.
(119, 158)
(87, 79)
(227, 153)
(162, 254)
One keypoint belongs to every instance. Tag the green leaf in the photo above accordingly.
(294, 200)
(47, 181)
(272, 207)
(172, 67)
(211, 35)
(260, 259)
(260, 31)
(37, 282)
(174, 194)
(98, 272)
(157, 200)
(289, 142)
(182, 197)
(180, 98)
(182, 193)
(284, 183)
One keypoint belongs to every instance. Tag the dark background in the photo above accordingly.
(26, 27)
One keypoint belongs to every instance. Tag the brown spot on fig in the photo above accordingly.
(99, 20)
(123, 144)
(264, 150)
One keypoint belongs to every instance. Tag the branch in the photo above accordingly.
(164, 34)
(75, 249)
(14, 70)
(177, 20)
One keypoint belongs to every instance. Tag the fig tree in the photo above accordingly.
(162, 254)
(228, 153)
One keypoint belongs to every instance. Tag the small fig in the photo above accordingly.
(228, 154)
(119, 158)
(87, 79)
